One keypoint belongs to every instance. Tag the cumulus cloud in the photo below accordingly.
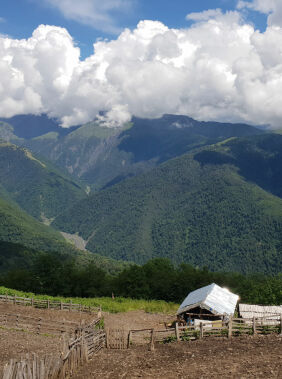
(273, 8)
(95, 13)
(220, 69)
(205, 15)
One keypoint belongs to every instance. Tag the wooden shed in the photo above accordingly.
(211, 302)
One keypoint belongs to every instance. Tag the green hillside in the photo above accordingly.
(39, 189)
(22, 238)
(218, 207)
(19, 227)
(101, 156)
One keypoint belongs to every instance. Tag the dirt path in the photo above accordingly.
(243, 357)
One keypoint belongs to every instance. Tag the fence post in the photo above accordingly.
(39, 326)
(177, 332)
(230, 327)
(128, 339)
(151, 345)
(15, 300)
(201, 330)
(70, 305)
(254, 325)
(32, 302)
(99, 315)
(48, 303)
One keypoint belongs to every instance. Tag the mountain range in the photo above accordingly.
(204, 193)
(102, 156)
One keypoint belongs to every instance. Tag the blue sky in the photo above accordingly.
(21, 17)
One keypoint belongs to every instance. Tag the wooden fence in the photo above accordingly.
(37, 325)
(76, 352)
(49, 304)
(233, 327)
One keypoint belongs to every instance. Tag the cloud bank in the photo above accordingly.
(218, 69)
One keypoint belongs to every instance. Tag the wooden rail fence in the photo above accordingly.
(37, 325)
(235, 326)
(49, 304)
(76, 352)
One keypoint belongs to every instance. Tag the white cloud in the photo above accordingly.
(220, 69)
(205, 15)
(273, 8)
(95, 13)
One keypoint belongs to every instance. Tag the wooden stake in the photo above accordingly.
(254, 325)
(201, 330)
(230, 327)
(128, 339)
(177, 332)
(152, 346)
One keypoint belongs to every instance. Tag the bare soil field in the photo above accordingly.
(16, 343)
(55, 315)
(136, 320)
(242, 357)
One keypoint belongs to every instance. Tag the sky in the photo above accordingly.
(212, 60)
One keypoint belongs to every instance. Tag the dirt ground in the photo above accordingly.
(242, 357)
(136, 320)
(55, 315)
(16, 344)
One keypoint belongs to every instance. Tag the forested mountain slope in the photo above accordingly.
(102, 156)
(23, 238)
(38, 188)
(19, 227)
(218, 206)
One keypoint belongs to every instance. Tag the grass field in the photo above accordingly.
(119, 304)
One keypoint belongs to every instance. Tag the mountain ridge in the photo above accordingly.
(194, 208)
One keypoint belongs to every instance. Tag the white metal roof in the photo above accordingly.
(213, 298)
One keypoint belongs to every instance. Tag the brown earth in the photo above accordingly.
(16, 344)
(55, 315)
(136, 320)
(242, 357)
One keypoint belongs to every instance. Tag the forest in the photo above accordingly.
(157, 279)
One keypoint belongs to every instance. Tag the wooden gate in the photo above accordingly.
(116, 338)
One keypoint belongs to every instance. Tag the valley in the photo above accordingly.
(204, 193)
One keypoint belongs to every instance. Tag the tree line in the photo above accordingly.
(157, 279)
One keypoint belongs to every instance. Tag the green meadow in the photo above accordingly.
(118, 304)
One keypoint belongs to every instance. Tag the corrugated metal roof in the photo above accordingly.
(213, 298)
